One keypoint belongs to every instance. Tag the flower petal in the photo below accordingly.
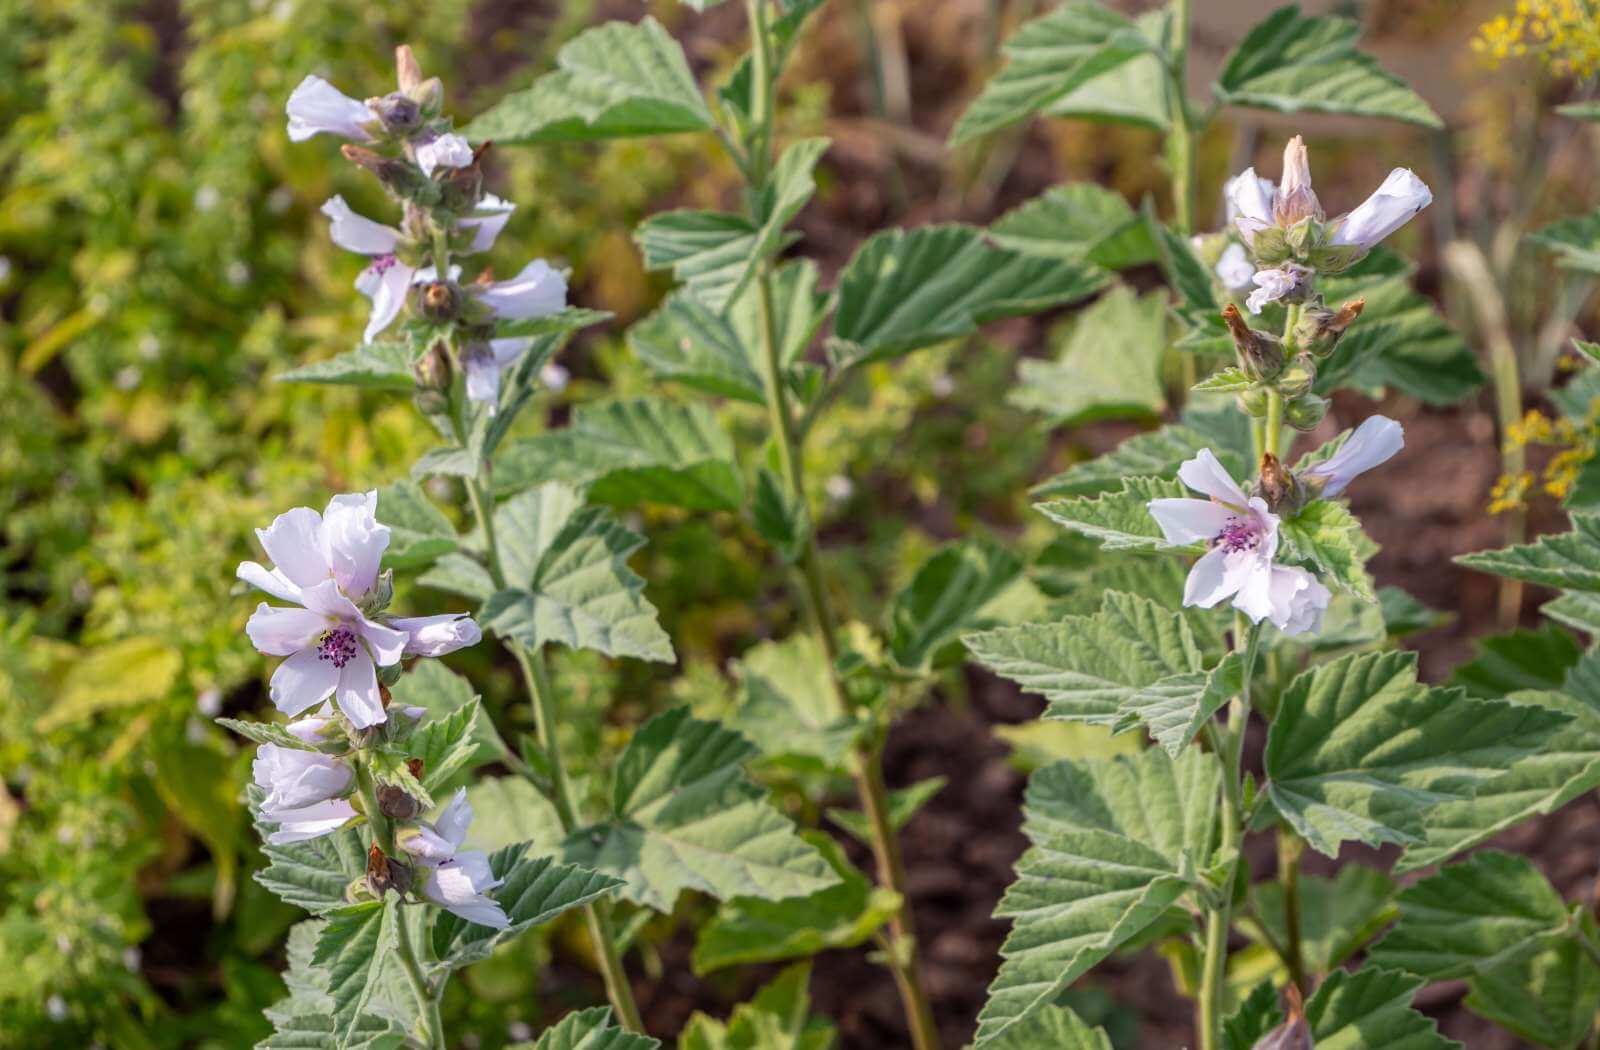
(538, 291)
(445, 151)
(483, 376)
(487, 221)
(272, 581)
(387, 644)
(388, 291)
(301, 681)
(317, 106)
(276, 631)
(1208, 582)
(1394, 204)
(1186, 521)
(358, 695)
(1204, 473)
(294, 543)
(1249, 203)
(454, 819)
(353, 541)
(1377, 440)
(357, 233)
(327, 599)
(308, 822)
(437, 635)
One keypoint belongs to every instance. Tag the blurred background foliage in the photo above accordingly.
(162, 256)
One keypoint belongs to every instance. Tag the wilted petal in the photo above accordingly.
(353, 541)
(1375, 442)
(1296, 200)
(1185, 521)
(357, 233)
(1394, 204)
(538, 291)
(486, 221)
(302, 681)
(294, 543)
(1274, 284)
(317, 106)
(437, 635)
(1204, 473)
(281, 632)
(446, 151)
(358, 695)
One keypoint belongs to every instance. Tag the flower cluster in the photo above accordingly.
(1564, 34)
(435, 176)
(1576, 444)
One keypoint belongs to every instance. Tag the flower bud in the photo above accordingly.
(1296, 201)
(1298, 377)
(438, 301)
(384, 873)
(1320, 328)
(433, 371)
(395, 804)
(399, 113)
(1260, 353)
(1253, 402)
(399, 177)
(1305, 411)
(408, 74)
(1278, 487)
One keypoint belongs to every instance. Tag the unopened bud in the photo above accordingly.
(395, 804)
(433, 371)
(437, 300)
(1253, 402)
(1260, 353)
(1296, 201)
(460, 189)
(407, 73)
(399, 177)
(1305, 411)
(384, 873)
(399, 113)
(1278, 487)
(1298, 377)
(1320, 328)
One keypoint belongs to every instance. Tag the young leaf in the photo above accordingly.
(613, 81)
(780, 517)
(685, 816)
(265, 733)
(536, 890)
(778, 1018)
(1227, 381)
(569, 582)
(1326, 534)
(381, 366)
(1294, 63)
(1048, 58)
(1371, 1008)
(419, 533)
(1568, 560)
(1085, 382)
(591, 1029)
(1120, 520)
(905, 290)
(446, 745)
(1079, 223)
(1115, 843)
(945, 597)
(1490, 909)
(1088, 667)
(1360, 750)
(748, 930)
(788, 707)
(627, 452)
(903, 805)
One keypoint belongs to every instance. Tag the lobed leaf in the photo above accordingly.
(946, 597)
(1089, 380)
(535, 891)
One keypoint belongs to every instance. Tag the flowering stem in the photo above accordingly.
(1213, 978)
(1272, 433)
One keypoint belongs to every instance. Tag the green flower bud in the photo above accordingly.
(1298, 377)
(1305, 411)
(1253, 402)
(1260, 354)
(1320, 328)
(1270, 247)
(1278, 487)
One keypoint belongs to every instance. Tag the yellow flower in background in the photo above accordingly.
(1563, 34)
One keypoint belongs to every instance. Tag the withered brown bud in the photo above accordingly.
(384, 873)
(1320, 328)
(414, 767)
(433, 371)
(398, 176)
(395, 804)
(1260, 354)
(437, 301)
(1277, 486)
(384, 696)
(407, 73)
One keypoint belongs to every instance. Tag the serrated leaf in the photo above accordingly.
(1176, 707)
(1227, 380)
(265, 733)
(1079, 223)
(441, 692)
(1328, 536)
(945, 597)
(716, 254)
(1109, 365)
(749, 930)
(1294, 63)
(1338, 915)
(1120, 520)
(780, 517)
(905, 290)
(1360, 750)
(419, 533)
(1568, 560)
(1113, 842)
(1047, 59)
(1488, 910)
(615, 80)
(351, 949)
(446, 745)
(459, 574)
(1518, 660)
(1258, 1015)
(685, 816)
(1055, 1027)
(1156, 453)
(1548, 998)
(566, 567)
(788, 706)
(1134, 92)
(591, 1029)
(383, 366)
(535, 891)
(307, 1020)
(1371, 1008)
(1088, 667)
(903, 805)
(315, 873)
(626, 452)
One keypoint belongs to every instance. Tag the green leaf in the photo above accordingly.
(535, 891)
(1226, 380)
(1360, 750)
(685, 816)
(1575, 240)
(441, 692)
(446, 744)
(1156, 453)
(748, 930)
(461, 575)
(905, 290)
(1120, 520)
(592, 1029)
(615, 80)
(508, 811)
(1116, 844)
(903, 805)
(1055, 1027)
(1176, 707)
(307, 1019)
(569, 582)
(1338, 916)
(717, 254)
(641, 450)
(1088, 667)
(1078, 223)
(1293, 63)
(1518, 660)
(1371, 1008)
(1489, 909)
(1109, 365)
(1568, 560)
(352, 948)
(1048, 58)
(945, 597)
(1257, 1016)
(780, 517)
(778, 1018)
(384, 366)
(1328, 536)
(315, 873)
(1134, 92)
(1548, 998)
(418, 531)
(787, 704)
(391, 769)
(265, 733)
(128, 673)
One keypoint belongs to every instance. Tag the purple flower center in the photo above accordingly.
(382, 264)
(338, 645)
(1240, 534)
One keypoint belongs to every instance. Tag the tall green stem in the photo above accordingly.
(1290, 847)
(1180, 144)
(1272, 432)
(1213, 976)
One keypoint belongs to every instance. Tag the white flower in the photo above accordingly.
(1401, 197)
(445, 151)
(1274, 284)
(317, 106)
(1249, 203)
(483, 365)
(538, 291)
(1298, 600)
(458, 880)
(1235, 269)
(1374, 442)
(304, 792)
(387, 280)
(319, 562)
(487, 221)
(312, 728)
(437, 635)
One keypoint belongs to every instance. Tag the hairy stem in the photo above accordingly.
(1180, 144)
(1290, 846)
(1213, 977)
